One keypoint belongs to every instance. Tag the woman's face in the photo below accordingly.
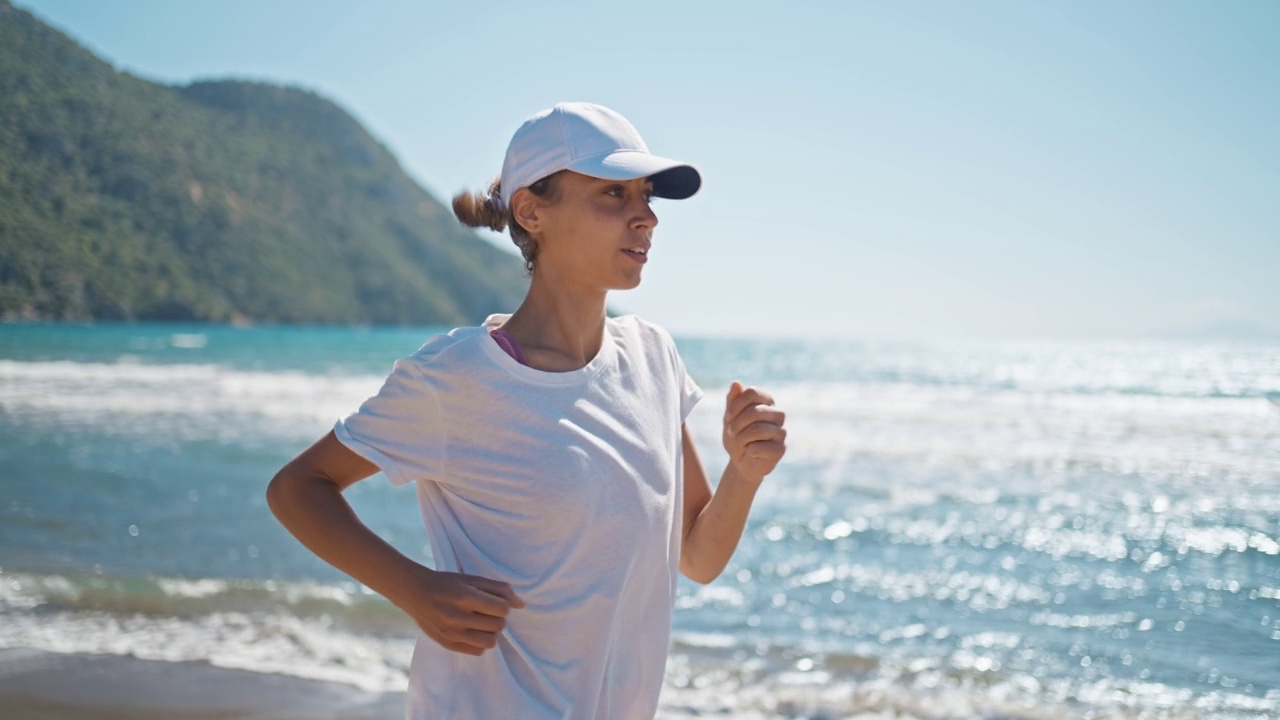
(597, 233)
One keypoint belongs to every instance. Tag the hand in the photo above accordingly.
(463, 613)
(753, 432)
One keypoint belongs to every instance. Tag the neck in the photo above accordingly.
(559, 326)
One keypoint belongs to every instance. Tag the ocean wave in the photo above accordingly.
(301, 629)
(341, 633)
(960, 428)
(347, 606)
(775, 684)
(1048, 434)
(1123, 368)
(187, 400)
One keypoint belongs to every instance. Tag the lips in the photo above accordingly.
(641, 257)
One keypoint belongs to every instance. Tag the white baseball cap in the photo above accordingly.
(592, 140)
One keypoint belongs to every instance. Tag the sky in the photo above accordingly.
(912, 170)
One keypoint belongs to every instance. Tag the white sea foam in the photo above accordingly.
(830, 423)
(188, 341)
(708, 673)
(194, 400)
(309, 649)
(268, 635)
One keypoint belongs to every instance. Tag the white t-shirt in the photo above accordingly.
(569, 486)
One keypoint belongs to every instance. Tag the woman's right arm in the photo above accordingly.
(461, 612)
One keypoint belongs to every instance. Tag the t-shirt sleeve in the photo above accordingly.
(399, 428)
(690, 393)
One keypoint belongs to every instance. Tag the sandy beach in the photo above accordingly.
(37, 685)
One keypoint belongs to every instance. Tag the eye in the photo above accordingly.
(620, 191)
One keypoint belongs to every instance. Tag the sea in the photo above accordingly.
(997, 530)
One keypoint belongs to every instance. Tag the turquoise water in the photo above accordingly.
(1041, 529)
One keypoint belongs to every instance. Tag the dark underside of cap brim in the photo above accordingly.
(676, 183)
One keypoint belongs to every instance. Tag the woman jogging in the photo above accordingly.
(560, 490)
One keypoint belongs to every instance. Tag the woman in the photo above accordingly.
(559, 487)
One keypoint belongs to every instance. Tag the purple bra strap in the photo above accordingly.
(509, 344)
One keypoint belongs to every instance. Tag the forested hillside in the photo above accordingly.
(221, 201)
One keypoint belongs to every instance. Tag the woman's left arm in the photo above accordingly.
(755, 439)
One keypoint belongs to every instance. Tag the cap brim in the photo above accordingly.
(672, 179)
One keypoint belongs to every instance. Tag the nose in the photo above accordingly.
(645, 218)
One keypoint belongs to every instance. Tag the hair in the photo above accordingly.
(485, 210)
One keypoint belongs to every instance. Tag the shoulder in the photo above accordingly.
(643, 330)
(444, 349)
(651, 339)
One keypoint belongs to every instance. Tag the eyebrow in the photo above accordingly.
(605, 181)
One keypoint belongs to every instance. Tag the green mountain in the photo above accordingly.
(122, 198)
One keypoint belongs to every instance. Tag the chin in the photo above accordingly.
(629, 284)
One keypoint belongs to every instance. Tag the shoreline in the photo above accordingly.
(42, 685)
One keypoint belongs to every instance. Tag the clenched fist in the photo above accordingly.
(753, 433)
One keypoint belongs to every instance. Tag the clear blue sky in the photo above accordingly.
(916, 169)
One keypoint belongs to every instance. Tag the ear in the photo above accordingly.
(526, 210)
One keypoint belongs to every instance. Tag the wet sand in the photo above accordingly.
(37, 685)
